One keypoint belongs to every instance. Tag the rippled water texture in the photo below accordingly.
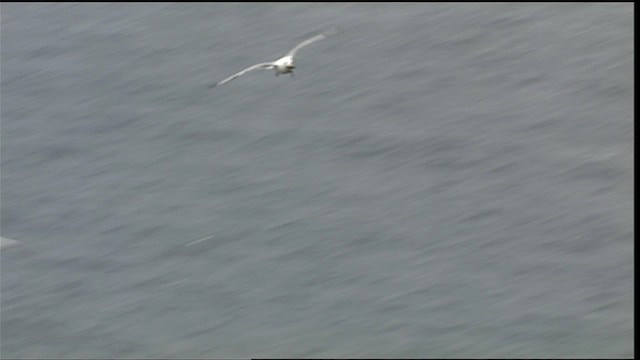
(438, 180)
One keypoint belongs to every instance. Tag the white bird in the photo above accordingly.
(284, 65)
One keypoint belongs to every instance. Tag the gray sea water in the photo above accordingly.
(438, 180)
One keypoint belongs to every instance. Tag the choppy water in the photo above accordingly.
(438, 180)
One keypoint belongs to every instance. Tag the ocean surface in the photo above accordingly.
(437, 180)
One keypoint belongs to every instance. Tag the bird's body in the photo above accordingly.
(284, 65)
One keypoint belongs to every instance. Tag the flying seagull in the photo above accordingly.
(284, 65)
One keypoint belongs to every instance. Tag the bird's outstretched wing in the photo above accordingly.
(256, 66)
(305, 43)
